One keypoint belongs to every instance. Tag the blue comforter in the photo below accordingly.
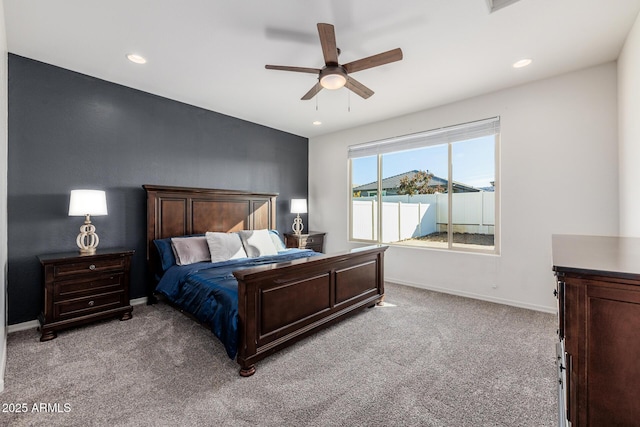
(209, 291)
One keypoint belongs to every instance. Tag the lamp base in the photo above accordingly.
(87, 240)
(297, 226)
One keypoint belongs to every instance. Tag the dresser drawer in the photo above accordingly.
(88, 267)
(88, 305)
(70, 289)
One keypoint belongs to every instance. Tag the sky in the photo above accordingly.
(473, 163)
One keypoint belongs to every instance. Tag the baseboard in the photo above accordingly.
(519, 304)
(23, 326)
(35, 324)
(138, 301)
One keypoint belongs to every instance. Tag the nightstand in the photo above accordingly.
(80, 289)
(311, 240)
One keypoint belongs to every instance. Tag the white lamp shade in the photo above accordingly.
(87, 202)
(298, 206)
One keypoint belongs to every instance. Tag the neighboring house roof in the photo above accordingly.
(387, 183)
(393, 182)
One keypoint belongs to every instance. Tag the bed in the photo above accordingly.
(278, 302)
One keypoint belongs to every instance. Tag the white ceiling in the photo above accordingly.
(211, 53)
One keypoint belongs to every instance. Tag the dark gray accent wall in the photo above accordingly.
(69, 130)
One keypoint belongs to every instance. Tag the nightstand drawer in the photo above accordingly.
(310, 240)
(314, 247)
(88, 267)
(82, 306)
(64, 290)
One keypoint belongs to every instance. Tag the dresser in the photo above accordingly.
(311, 240)
(598, 290)
(84, 288)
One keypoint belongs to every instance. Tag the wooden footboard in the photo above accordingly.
(282, 303)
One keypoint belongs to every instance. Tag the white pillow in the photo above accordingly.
(224, 246)
(277, 241)
(189, 250)
(257, 243)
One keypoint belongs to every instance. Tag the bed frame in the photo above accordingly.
(278, 304)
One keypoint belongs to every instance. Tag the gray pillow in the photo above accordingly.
(224, 246)
(189, 250)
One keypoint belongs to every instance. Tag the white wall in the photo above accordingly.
(629, 129)
(558, 146)
(3, 194)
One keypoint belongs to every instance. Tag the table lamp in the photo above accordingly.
(86, 203)
(298, 206)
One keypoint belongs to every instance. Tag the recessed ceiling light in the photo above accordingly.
(317, 123)
(522, 63)
(136, 58)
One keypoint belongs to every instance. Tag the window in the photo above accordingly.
(434, 189)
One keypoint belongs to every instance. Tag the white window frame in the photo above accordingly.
(446, 135)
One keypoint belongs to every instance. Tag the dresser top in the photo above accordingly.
(613, 256)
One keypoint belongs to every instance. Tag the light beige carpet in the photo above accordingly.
(424, 359)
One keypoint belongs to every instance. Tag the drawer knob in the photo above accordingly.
(92, 267)
(91, 303)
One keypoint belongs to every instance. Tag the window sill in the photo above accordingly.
(458, 250)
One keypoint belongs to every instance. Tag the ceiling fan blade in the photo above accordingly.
(358, 88)
(296, 69)
(374, 61)
(314, 90)
(328, 42)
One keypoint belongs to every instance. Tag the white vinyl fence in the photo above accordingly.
(405, 217)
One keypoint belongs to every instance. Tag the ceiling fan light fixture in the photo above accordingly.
(333, 81)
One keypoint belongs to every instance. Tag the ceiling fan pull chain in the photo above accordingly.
(349, 101)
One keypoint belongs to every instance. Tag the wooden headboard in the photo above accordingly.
(179, 211)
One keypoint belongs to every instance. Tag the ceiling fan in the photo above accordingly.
(333, 75)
